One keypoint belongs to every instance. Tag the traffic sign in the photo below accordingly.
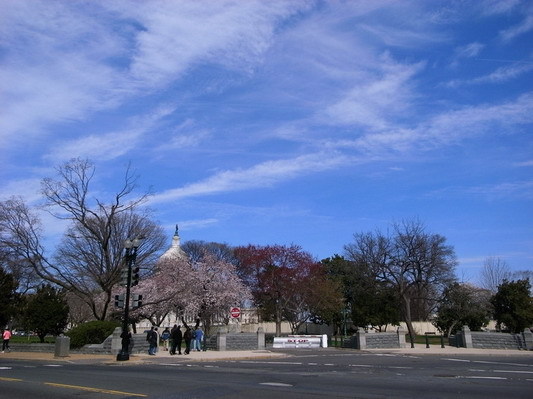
(235, 312)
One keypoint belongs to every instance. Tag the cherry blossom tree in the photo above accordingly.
(206, 287)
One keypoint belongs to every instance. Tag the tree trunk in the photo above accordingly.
(407, 317)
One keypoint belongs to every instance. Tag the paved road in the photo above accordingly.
(302, 374)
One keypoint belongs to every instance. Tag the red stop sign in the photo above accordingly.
(235, 312)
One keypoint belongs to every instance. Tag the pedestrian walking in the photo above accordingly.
(165, 337)
(152, 338)
(187, 336)
(193, 339)
(199, 336)
(126, 340)
(176, 337)
(6, 337)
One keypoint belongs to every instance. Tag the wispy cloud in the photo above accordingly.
(104, 146)
(516, 189)
(258, 176)
(511, 33)
(500, 75)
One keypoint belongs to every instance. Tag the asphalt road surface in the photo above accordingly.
(306, 374)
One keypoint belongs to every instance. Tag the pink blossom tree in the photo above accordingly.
(206, 288)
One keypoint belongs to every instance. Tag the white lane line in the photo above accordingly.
(53, 365)
(360, 365)
(5, 368)
(457, 360)
(275, 384)
(513, 371)
(502, 363)
(480, 377)
(268, 362)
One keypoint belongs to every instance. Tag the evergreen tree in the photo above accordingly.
(46, 312)
(8, 297)
(513, 305)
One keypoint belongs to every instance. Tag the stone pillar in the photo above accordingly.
(116, 341)
(221, 341)
(261, 338)
(528, 339)
(401, 337)
(361, 338)
(467, 337)
(62, 346)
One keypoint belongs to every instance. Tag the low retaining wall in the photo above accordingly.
(384, 340)
(32, 347)
(494, 340)
(237, 341)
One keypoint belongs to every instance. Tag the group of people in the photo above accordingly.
(173, 339)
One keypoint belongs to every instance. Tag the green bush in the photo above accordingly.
(92, 332)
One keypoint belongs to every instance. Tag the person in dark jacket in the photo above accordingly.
(151, 337)
(176, 337)
(187, 336)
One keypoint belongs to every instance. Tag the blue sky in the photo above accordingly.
(283, 122)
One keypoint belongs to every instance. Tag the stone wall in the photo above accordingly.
(494, 340)
(363, 340)
(382, 340)
(31, 347)
(223, 341)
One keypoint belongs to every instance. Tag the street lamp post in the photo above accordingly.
(130, 257)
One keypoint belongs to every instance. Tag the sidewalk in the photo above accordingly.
(161, 356)
(194, 356)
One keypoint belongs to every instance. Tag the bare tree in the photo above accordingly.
(418, 265)
(495, 271)
(88, 260)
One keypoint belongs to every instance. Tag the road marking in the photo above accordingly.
(275, 384)
(52, 365)
(458, 360)
(480, 377)
(360, 365)
(5, 368)
(502, 363)
(10, 379)
(513, 371)
(90, 389)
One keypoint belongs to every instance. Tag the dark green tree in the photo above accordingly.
(463, 304)
(513, 305)
(372, 302)
(8, 297)
(46, 312)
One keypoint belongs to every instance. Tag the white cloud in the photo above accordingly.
(28, 189)
(176, 35)
(376, 103)
(500, 75)
(53, 67)
(524, 164)
(197, 223)
(259, 176)
(515, 189)
(525, 26)
(107, 146)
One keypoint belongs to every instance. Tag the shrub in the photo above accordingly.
(92, 332)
